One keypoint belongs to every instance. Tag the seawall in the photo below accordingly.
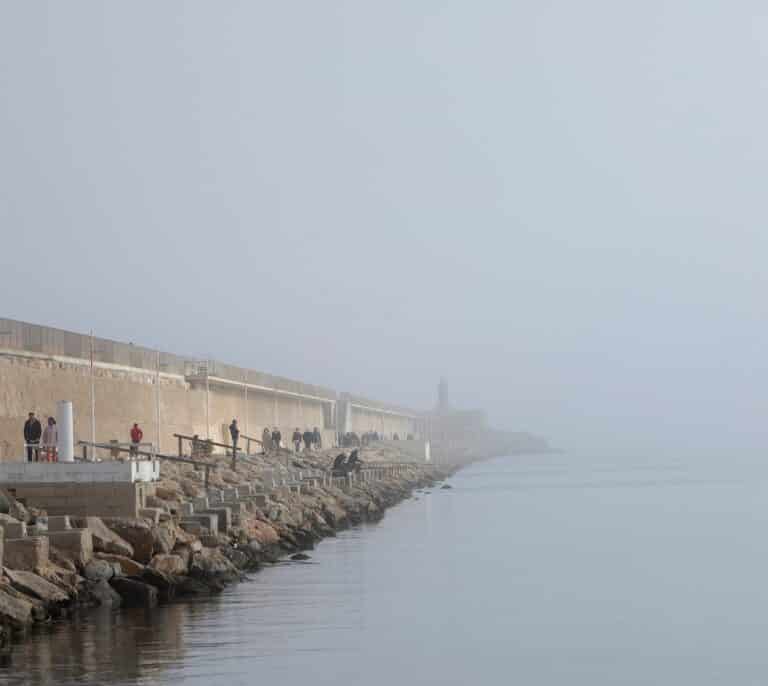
(165, 393)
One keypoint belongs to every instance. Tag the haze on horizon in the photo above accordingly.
(559, 206)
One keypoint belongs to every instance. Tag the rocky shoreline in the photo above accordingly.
(163, 555)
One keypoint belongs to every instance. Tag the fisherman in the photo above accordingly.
(338, 463)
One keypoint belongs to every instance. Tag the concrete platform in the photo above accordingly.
(78, 472)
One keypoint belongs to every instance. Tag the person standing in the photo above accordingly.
(136, 435)
(234, 432)
(266, 440)
(308, 437)
(296, 438)
(276, 438)
(50, 440)
(317, 439)
(32, 432)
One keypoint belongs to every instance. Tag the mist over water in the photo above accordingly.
(545, 570)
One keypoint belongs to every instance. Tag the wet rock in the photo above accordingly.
(237, 557)
(300, 557)
(164, 583)
(128, 567)
(105, 595)
(135, 593)
(100, 570)
(211, 563)
(189, 586)
(14, 609)
(445, 487)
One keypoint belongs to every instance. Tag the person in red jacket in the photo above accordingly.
(136, 435)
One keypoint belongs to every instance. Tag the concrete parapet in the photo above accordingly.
(26, 553)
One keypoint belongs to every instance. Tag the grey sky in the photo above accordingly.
(558, 205)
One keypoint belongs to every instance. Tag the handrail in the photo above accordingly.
(152, 455)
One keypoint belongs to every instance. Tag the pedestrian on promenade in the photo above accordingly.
(32, 432)
(317, 439)
(136, 435)
(234, 432)
(308, 438)
(50, 440)
(277, 437)
(266, 440)
(296, 438)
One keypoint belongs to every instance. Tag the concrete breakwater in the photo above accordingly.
(113, 384)
(188, 541)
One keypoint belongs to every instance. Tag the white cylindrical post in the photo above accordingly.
(66, 431)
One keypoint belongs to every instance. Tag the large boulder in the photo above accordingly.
(138, 533)
(169, 564)
(190, 488)
(33, 585)
(105, 595)
(134, 593)
(14, 609)
(210, 563)
(105, 540)
(164, 538)
(98, 570)
(128, 567)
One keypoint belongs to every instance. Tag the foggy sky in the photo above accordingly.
(560, 206)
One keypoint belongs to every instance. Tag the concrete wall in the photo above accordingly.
(123, 397)
(40, 365)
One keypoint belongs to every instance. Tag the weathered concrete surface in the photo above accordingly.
(26, 553)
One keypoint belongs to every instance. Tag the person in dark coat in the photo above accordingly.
(234, 432)
(276, 438)
(296, 438)
(338, 463)
(317, 439)
(308, 436)
(32, 432)
(353, 462)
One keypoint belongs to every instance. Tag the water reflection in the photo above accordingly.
(102, 646)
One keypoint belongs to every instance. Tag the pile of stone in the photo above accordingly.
(188, 540)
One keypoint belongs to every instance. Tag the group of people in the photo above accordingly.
(312, 440)
(33, 433)
(307, 440)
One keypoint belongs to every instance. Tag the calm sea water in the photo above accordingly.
(548, 570)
